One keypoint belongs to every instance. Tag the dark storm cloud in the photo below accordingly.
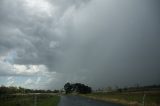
(115, 43)
(107, 42)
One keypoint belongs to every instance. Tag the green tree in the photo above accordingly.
(77, 87)
(68, 88)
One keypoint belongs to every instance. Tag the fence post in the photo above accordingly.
(35, 100)
(143, 102)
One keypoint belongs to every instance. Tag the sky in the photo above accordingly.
(101, 43)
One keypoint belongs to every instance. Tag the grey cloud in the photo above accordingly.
(107, 42)
(30, 35)
(114, 43)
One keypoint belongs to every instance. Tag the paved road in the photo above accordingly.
(82, 101)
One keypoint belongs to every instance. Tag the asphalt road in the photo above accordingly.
(82, 101)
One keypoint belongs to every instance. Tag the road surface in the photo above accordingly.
(82, 101)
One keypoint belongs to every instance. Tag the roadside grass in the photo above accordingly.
(128, 98)
(48, 100)
(29, 100)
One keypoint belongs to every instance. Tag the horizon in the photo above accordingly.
(113, 88)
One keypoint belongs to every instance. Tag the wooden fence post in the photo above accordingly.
(143, 102)
(35, 100)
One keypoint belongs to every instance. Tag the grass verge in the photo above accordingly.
(29, 100)
(128, 98)
(48, 101)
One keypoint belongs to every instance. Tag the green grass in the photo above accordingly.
(129, 98)
(28, 100)
(48, 101)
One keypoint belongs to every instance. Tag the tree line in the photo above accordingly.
(13, 90)
(135, 88)
(77, 88)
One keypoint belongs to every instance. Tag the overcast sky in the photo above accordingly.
(46, 43)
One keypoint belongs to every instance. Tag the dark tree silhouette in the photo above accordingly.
(77, 87)
(13, 90)
(68, 87)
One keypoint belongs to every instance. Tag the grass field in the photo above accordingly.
(29, 100)
(129, 98)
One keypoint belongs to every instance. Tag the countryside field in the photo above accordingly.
(29, 100)
(128, 98)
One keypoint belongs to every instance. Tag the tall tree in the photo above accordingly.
(68, 88)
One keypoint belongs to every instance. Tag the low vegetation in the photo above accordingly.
(29, 100)
(133, 96)
(48, 100)
(13, 90)
(129, 99)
